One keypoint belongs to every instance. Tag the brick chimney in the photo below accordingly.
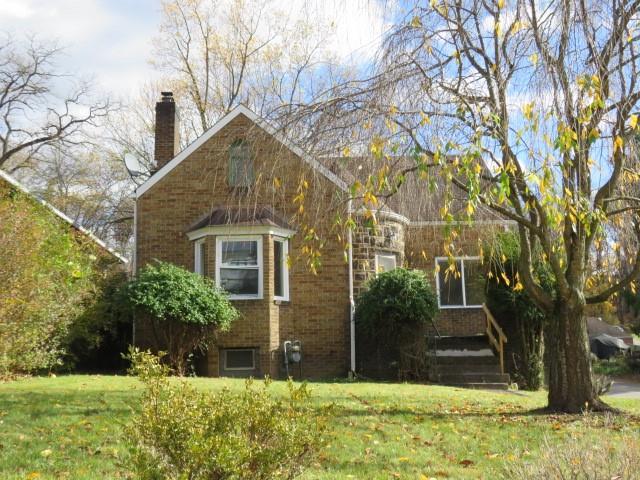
(167, 130)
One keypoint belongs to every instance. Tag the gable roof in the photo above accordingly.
(219, 125)
(16, 184)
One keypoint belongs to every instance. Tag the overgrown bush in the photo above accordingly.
(183, 433)
(582, 459)
(520, 319)
(185, 309)
(392, 315)
(48, 276)
(102, 332)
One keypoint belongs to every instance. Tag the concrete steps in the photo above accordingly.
(467, 362)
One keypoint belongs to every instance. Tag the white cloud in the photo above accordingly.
(16, 9)
(102, 39)
(111, 40)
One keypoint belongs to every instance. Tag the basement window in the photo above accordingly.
(239, 266)
(239, 359)
(461, 284)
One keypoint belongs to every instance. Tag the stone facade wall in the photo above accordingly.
(318, 310)
(388, 238)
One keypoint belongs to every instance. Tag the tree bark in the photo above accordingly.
(571, 388)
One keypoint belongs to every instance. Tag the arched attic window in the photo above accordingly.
(240, 165)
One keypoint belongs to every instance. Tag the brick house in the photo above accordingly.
(236, 204)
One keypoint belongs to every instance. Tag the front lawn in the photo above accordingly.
(70, 427)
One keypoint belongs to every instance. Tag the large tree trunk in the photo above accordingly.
(571, 387)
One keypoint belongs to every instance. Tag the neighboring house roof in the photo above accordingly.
(219, 125)
(252, 216)
(16, 184)
(596, 326)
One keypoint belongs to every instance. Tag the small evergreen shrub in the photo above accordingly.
(183, 433)
(392, 315)
(185, 309)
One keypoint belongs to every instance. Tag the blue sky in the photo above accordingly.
(111, 40)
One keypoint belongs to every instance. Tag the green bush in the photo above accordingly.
(185, 309)
(392, 315)
(521, 320)
(183, 433)
(49, 274)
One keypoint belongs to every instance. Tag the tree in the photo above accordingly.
(184, 309)
(216, 55)
(35, 112)
(529, 109)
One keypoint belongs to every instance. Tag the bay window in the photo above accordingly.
(459, 284)
(239, 266)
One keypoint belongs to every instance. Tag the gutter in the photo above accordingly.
(352, 308)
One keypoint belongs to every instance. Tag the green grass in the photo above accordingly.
(70, 427)
(615, 367)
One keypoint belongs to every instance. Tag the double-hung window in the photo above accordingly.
(280, 269)
(460, 284)
(239, 266)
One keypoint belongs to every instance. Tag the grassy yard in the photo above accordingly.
(70, 427)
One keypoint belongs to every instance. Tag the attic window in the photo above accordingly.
(240, 165)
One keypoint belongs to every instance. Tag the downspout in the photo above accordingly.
(352, 307)
(134, 264)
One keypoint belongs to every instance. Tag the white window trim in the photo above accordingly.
(387, 256)
(464, 284)
(231, 369)
(285, 269)
(237, 230)
(240, 238)
(198, 266)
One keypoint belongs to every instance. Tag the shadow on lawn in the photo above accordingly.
(81, 404)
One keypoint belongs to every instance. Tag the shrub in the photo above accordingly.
(185, 309)
(182, 433)
(48, 275)
(521, 320)
(582, 459)
(392, 315)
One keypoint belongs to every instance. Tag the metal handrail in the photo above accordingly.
(499, 342)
